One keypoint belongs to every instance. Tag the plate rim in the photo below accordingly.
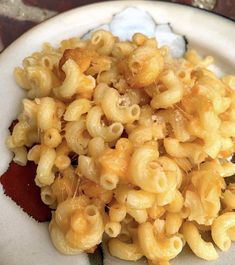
(201, 9)
(128, 2)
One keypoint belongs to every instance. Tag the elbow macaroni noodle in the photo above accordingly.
(129, 142)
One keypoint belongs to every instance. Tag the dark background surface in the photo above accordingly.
(21, 16)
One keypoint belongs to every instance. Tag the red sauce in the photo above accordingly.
(18, 183)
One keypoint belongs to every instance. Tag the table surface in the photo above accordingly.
(17, 16)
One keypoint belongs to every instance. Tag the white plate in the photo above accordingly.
(22, 240)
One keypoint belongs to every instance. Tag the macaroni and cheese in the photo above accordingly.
(130, 143)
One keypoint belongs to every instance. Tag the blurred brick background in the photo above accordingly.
(17, 16)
